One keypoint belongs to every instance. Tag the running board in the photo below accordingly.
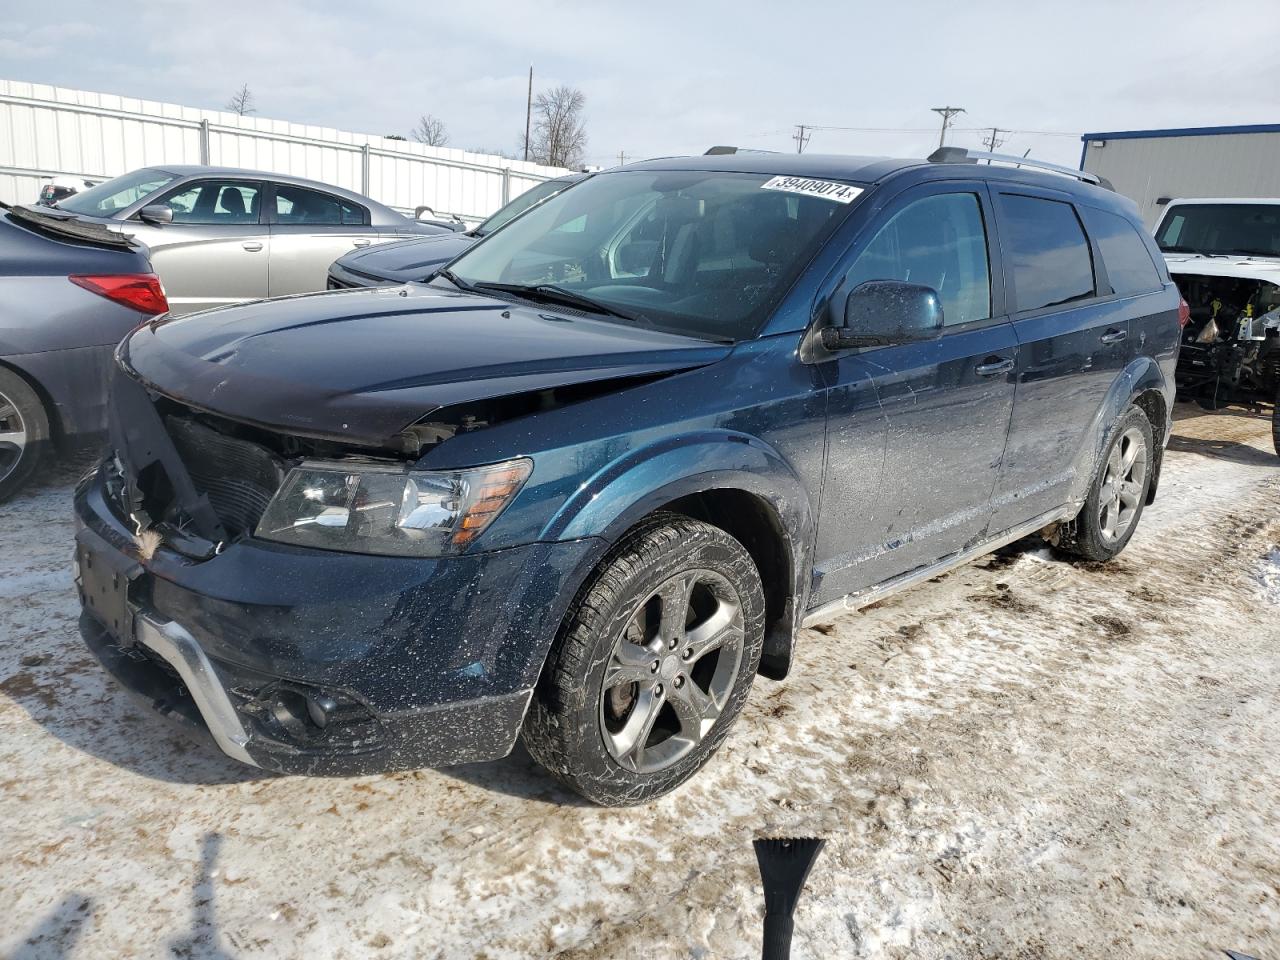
(864, 598)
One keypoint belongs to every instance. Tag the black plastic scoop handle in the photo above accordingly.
(784, 866)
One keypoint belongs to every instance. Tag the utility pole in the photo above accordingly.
(947, 113)
(995, 141)
(800, 137)
(622, 158)
(528, 114)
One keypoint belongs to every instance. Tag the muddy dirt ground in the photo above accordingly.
(1026, 758)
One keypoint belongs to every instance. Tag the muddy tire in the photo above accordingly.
(24, 433)
(652, 664)
(1118, 493)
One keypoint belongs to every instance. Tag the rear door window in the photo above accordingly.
(1050, 256)
(1128, 261)
(299, 206)
(939, 241)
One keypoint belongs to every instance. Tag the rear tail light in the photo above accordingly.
(139, 291)
(1184, 313)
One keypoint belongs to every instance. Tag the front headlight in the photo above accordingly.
(372, 509)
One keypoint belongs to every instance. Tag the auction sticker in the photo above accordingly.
(826, 189)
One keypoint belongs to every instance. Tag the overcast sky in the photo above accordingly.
(664, 78)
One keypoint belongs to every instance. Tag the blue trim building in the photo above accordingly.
(1173, 132)
(1155, 166)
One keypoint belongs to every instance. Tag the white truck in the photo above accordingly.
(1224, 255)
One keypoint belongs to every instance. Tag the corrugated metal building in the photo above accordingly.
(1154, 165)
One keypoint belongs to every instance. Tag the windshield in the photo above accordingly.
(699, 253)
(1221, 228)
(108, 199)
(520, 204)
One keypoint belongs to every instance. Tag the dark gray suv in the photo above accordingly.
(588, 482)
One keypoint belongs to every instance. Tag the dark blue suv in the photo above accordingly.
(593, 477)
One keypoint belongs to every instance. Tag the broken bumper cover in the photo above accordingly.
(199, 701)
(312, 662)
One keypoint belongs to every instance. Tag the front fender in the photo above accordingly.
(636, 484)
(646, 479)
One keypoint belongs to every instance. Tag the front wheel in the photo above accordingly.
(1118, 493)
(653, 664)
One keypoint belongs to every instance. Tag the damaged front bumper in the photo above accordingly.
(315, 662)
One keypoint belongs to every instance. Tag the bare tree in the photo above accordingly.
(559, 133)
(241, 101)
(431, 131)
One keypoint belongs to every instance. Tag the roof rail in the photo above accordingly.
(723, 151)
(963, 155)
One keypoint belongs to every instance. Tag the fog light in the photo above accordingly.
(319, 709)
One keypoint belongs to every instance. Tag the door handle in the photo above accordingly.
(362, 242)
(253, 246)
(994, 366)
(1114, 336)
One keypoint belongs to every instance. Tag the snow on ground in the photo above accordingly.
(1026, 758)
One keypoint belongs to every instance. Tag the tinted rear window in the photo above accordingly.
(296, 205)
(1128, 261)
(1051, 261)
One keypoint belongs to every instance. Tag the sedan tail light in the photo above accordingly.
(139, 291)
(1184, 313)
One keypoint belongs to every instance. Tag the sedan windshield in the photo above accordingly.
(1251, 229)
(109, 198)
(703, 254)
(534, 195)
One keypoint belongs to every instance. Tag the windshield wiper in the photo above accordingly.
(550, 293)
(1191, 250)
(1244, 252)
(456, 280)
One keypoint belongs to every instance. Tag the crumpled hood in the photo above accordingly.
(362, 365)
(405, 260)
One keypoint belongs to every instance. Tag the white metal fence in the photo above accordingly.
(48, 131)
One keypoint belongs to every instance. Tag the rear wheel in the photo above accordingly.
(24, 432)
(1118, 493)
(654, 663)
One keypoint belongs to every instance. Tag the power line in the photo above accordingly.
(995, 141)
(952, 128)
(800, 137)
(946, 113)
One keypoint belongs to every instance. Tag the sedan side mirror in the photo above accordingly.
(883, 312)
(156, 213)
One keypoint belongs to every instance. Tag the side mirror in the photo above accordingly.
(156, 213)
(883, 312)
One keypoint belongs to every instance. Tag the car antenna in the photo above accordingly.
(785, 863)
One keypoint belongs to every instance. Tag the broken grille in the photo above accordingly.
(238, 477)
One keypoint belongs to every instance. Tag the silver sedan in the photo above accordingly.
(219, 235)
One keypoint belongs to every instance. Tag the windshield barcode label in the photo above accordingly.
(826, 189)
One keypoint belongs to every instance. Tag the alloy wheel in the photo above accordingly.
(13, 436)
(1123, 484)
(671, 671)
